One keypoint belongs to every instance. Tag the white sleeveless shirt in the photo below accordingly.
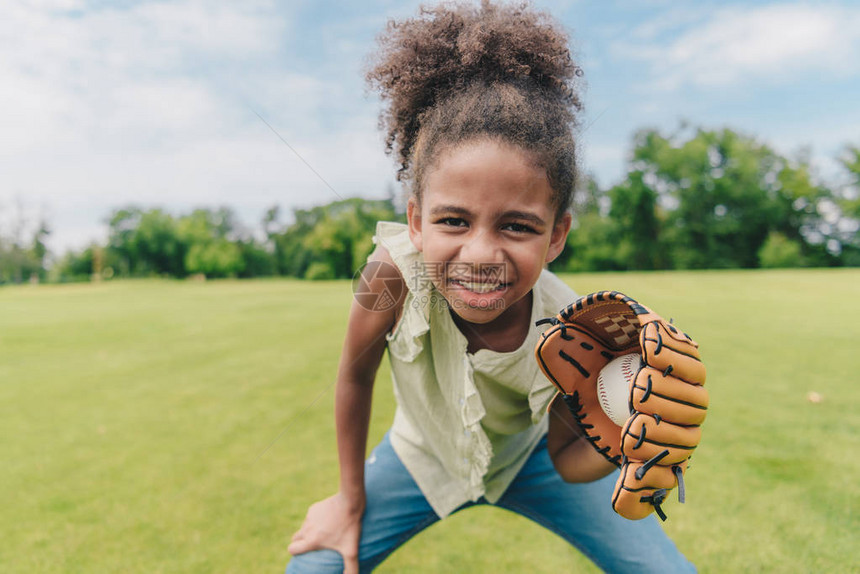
(465, 423)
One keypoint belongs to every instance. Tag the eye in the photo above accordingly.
(452, 222)
(518, 228)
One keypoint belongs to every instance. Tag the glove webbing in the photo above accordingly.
(604, 296)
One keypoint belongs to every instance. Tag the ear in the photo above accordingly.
(413, 218)
(558, 237)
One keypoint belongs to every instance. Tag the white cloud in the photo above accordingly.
(154, 105)
(767, 44)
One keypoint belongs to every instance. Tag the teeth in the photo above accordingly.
(479, 287)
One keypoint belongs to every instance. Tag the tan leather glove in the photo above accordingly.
(667, 400)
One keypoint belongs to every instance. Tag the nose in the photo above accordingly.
(480, 248)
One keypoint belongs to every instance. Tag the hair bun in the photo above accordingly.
(452, 46)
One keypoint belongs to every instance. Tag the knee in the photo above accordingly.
(318, 561)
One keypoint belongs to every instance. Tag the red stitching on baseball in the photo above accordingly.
(625, 368)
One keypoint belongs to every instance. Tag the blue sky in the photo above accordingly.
(105, 104)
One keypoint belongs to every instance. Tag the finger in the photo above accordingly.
(350, 564)
(349, 551)
(673, 399)
(662, 350)
(300, 547)
(643, 438)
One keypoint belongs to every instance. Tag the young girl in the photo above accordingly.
(481, 111)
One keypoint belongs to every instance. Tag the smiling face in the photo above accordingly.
(486, 225)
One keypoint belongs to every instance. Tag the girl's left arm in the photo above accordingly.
(572, 455)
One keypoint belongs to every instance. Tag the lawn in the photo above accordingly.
(162, 426)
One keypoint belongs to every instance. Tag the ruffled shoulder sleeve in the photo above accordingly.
(395, 238)
(406, 341)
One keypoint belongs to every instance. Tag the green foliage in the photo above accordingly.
(780, 251)
(22, 259)
(324, 242)
(590, 243)
(725, 193)
(18, 264)
(39, 250)
(693, 199)
(76, 266)
(256, 260)
(336, 237)
(160, 246)
(214, 258)
(146, 243)
(208, 249)
(320, 271)
(635, 216)
(701, 199)
(850, 161)
(844, 237)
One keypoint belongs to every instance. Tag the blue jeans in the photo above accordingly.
(580, 513)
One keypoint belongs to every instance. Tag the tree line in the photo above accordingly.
(692, 199)
(324, 242)
(700, 199)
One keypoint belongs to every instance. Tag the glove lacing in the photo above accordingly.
(575, 408)
(656, 499)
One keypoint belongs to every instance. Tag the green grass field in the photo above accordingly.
(161, 426)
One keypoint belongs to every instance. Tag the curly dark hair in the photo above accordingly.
(458, 72)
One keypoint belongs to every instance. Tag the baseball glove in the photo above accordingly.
(667, 400)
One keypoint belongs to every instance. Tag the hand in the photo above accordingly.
(333, 523)
(570, 451)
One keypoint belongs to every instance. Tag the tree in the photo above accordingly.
(850, 161)
(216, 258)
(154, 242)
(159, 245)
(636, 226)
(272, 227)
(780, 251)
(720, 195)
(257, 260)
(332, 240)
(75, 266)
(39, 249)
(122, 227)
(23, 259)
(847, 228)
(207, 247)
(591, 243)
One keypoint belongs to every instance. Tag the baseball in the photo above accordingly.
(613, 386)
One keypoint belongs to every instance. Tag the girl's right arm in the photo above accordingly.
(335, 522)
